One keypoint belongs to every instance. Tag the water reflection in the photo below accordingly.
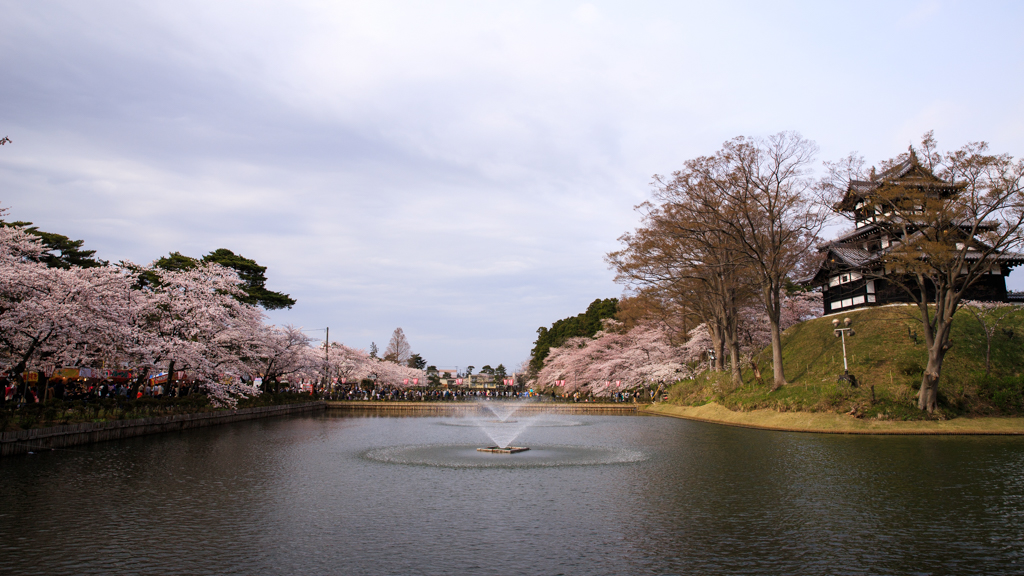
(298, 495)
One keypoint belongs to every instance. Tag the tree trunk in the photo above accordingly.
(928, 396)
(134, 391)
(717, 346)
(734, 360)
(937, 339)
(170, 376)
(22, 366)
(777, 372)
(773, 306)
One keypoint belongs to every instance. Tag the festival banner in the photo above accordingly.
(66, 373)
(124, 374)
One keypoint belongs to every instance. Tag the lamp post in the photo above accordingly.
(841, 333)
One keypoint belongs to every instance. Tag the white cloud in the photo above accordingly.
(458, 169)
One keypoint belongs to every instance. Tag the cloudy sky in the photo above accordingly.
(457, 169)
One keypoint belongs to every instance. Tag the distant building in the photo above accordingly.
(480, 381)
(475, 381)
(851, 274)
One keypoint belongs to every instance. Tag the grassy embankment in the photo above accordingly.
(887, 356)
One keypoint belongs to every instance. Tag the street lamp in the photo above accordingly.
(841, 333)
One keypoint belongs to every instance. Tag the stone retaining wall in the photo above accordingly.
(470, 407)
(23, 441)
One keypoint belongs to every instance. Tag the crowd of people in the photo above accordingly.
(73, 390)
(389, 393)
(86, 390)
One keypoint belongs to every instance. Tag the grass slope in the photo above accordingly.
(887, 356)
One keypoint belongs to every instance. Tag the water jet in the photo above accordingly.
(503, 431)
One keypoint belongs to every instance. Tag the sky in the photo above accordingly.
(457, 169)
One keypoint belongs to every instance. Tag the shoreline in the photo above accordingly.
(58, 437)
(474, 407)
(827, 423)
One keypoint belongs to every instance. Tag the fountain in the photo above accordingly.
(503, 431)
(502, 422)
(505, 450)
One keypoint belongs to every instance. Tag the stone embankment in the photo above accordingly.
(447, 408)
(56, 437)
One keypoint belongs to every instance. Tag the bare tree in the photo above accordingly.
(398, 350)
(757, 192)
(679, 255)
(989, 315)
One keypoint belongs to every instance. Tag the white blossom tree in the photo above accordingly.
(639, 357)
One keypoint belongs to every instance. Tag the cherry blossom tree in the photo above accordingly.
(283, 351)
(54, 315)
(190, 320)
(159, 318)
(639, 357)
(645, 355)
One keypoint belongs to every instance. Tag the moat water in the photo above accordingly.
(334, 494)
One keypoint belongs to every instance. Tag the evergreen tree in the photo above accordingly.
(586, 324)
(252, 275)
(416, 361)
(61, 251)
(254, 280)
